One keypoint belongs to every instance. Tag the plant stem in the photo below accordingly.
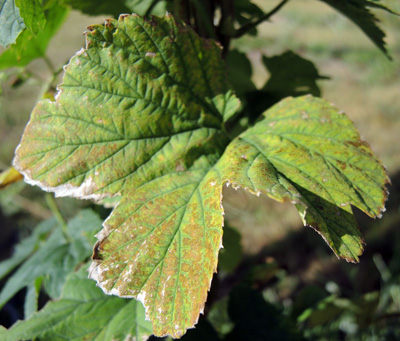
(247, 27)
(54, 209)
(49, 64)
(225, 27)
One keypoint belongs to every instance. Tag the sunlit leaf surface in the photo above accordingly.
(140, 115)
(306, 151)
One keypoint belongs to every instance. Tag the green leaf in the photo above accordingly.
(84, 313)
(357, 11)
(32, 296)
(11, 23)
(98, 7)
(291, 75)
(168, 95)
(28, 46)
(56, 258)
(143, 7)
(25, 248)
(239, 72)
(32, 13)
(306, 151)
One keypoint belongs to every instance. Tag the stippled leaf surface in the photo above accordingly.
(11, 23)
(55, 258)
(306, 151)
(358, 12)
(139, 114)
(83, 314)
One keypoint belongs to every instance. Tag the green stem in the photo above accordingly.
(49, 64)
(247, 27)
(54, 209)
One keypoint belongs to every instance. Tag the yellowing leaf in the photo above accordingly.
(140, 115)
(9, 176)
(306, 151)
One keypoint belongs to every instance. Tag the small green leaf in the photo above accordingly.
(143, 7)
(358, 12)
(11, 23)
(291, 75)
(28, 46)
(83, 314)
(306, 151)
(56, 258)
(32, 296)
(32, 13)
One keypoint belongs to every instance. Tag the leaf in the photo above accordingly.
(155, 7)
(28, 46)
(306, 151)
(140, 115)
(239, 72)
(98, 7)
(11, 23)
(291, 75)
(26, 247)
(32, 296)
(82, 315)
(9, 176)
(56, 258)
(168, 95)
(357, 11)
(32, 13)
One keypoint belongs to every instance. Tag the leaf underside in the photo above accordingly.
(11, 23)
(140, 115)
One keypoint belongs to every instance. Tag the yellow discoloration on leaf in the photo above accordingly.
(9, 176)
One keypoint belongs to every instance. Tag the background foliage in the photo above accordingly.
(324, 297)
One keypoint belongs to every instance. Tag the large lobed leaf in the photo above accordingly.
(306, 151)
(140, 115)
